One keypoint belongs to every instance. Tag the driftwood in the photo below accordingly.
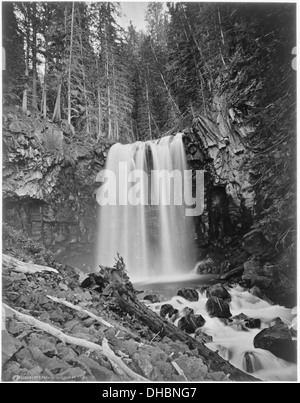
(128, 302)
(13, 264)
(104, 349)
(79, 309)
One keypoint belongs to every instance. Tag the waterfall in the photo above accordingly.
(154, 237)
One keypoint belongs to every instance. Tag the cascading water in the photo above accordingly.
(234, 343)
(152, 234)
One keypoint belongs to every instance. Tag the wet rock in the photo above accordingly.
(152, 298)
(203, 337)
(278, 340)
(189, 294)
(219, 291)
(206, 266)
(167, 310)
(190, 323)
(251, 362)
(253, 323)
(188, 311)
(218, 308)
(245, 322)
(192, 367)
(255, 243)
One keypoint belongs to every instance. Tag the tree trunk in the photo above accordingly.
(116, 112)
(70, 66)
(165, 84)
(109, 134)
(34, 57)
(57, 114)
(87, 115)
(99, 101)
(25, 93)
(148, 104)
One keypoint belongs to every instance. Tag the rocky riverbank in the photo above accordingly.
(31, 354)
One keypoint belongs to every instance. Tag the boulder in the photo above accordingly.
(278, 340)
(167, 309)
(251, 362)
(188, 311)
(203, 337)
(189, 294)
(218, 308)
(253, 323)
(245, 322)
(219, 291)
(190, 323)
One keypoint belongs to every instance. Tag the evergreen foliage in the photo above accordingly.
(73, 59)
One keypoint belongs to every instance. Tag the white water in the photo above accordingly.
(232, 342)
(154, 240)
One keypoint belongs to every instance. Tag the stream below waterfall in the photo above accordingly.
(231, 342)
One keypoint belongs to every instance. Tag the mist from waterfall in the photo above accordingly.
(154, 239)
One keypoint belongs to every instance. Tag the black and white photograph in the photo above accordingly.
(149, 195)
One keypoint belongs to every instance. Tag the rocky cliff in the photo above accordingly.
(49, 188)
(49, 184)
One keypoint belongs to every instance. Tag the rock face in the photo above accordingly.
(256, 244)
(49, 184)
(217, 145)
(278, 340)
(218, 308)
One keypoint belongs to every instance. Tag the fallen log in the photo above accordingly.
(126, 300)
(158, 325)
(104, 349)
(13, 264)
(79, 309)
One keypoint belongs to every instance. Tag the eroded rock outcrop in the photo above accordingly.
(49, 183)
